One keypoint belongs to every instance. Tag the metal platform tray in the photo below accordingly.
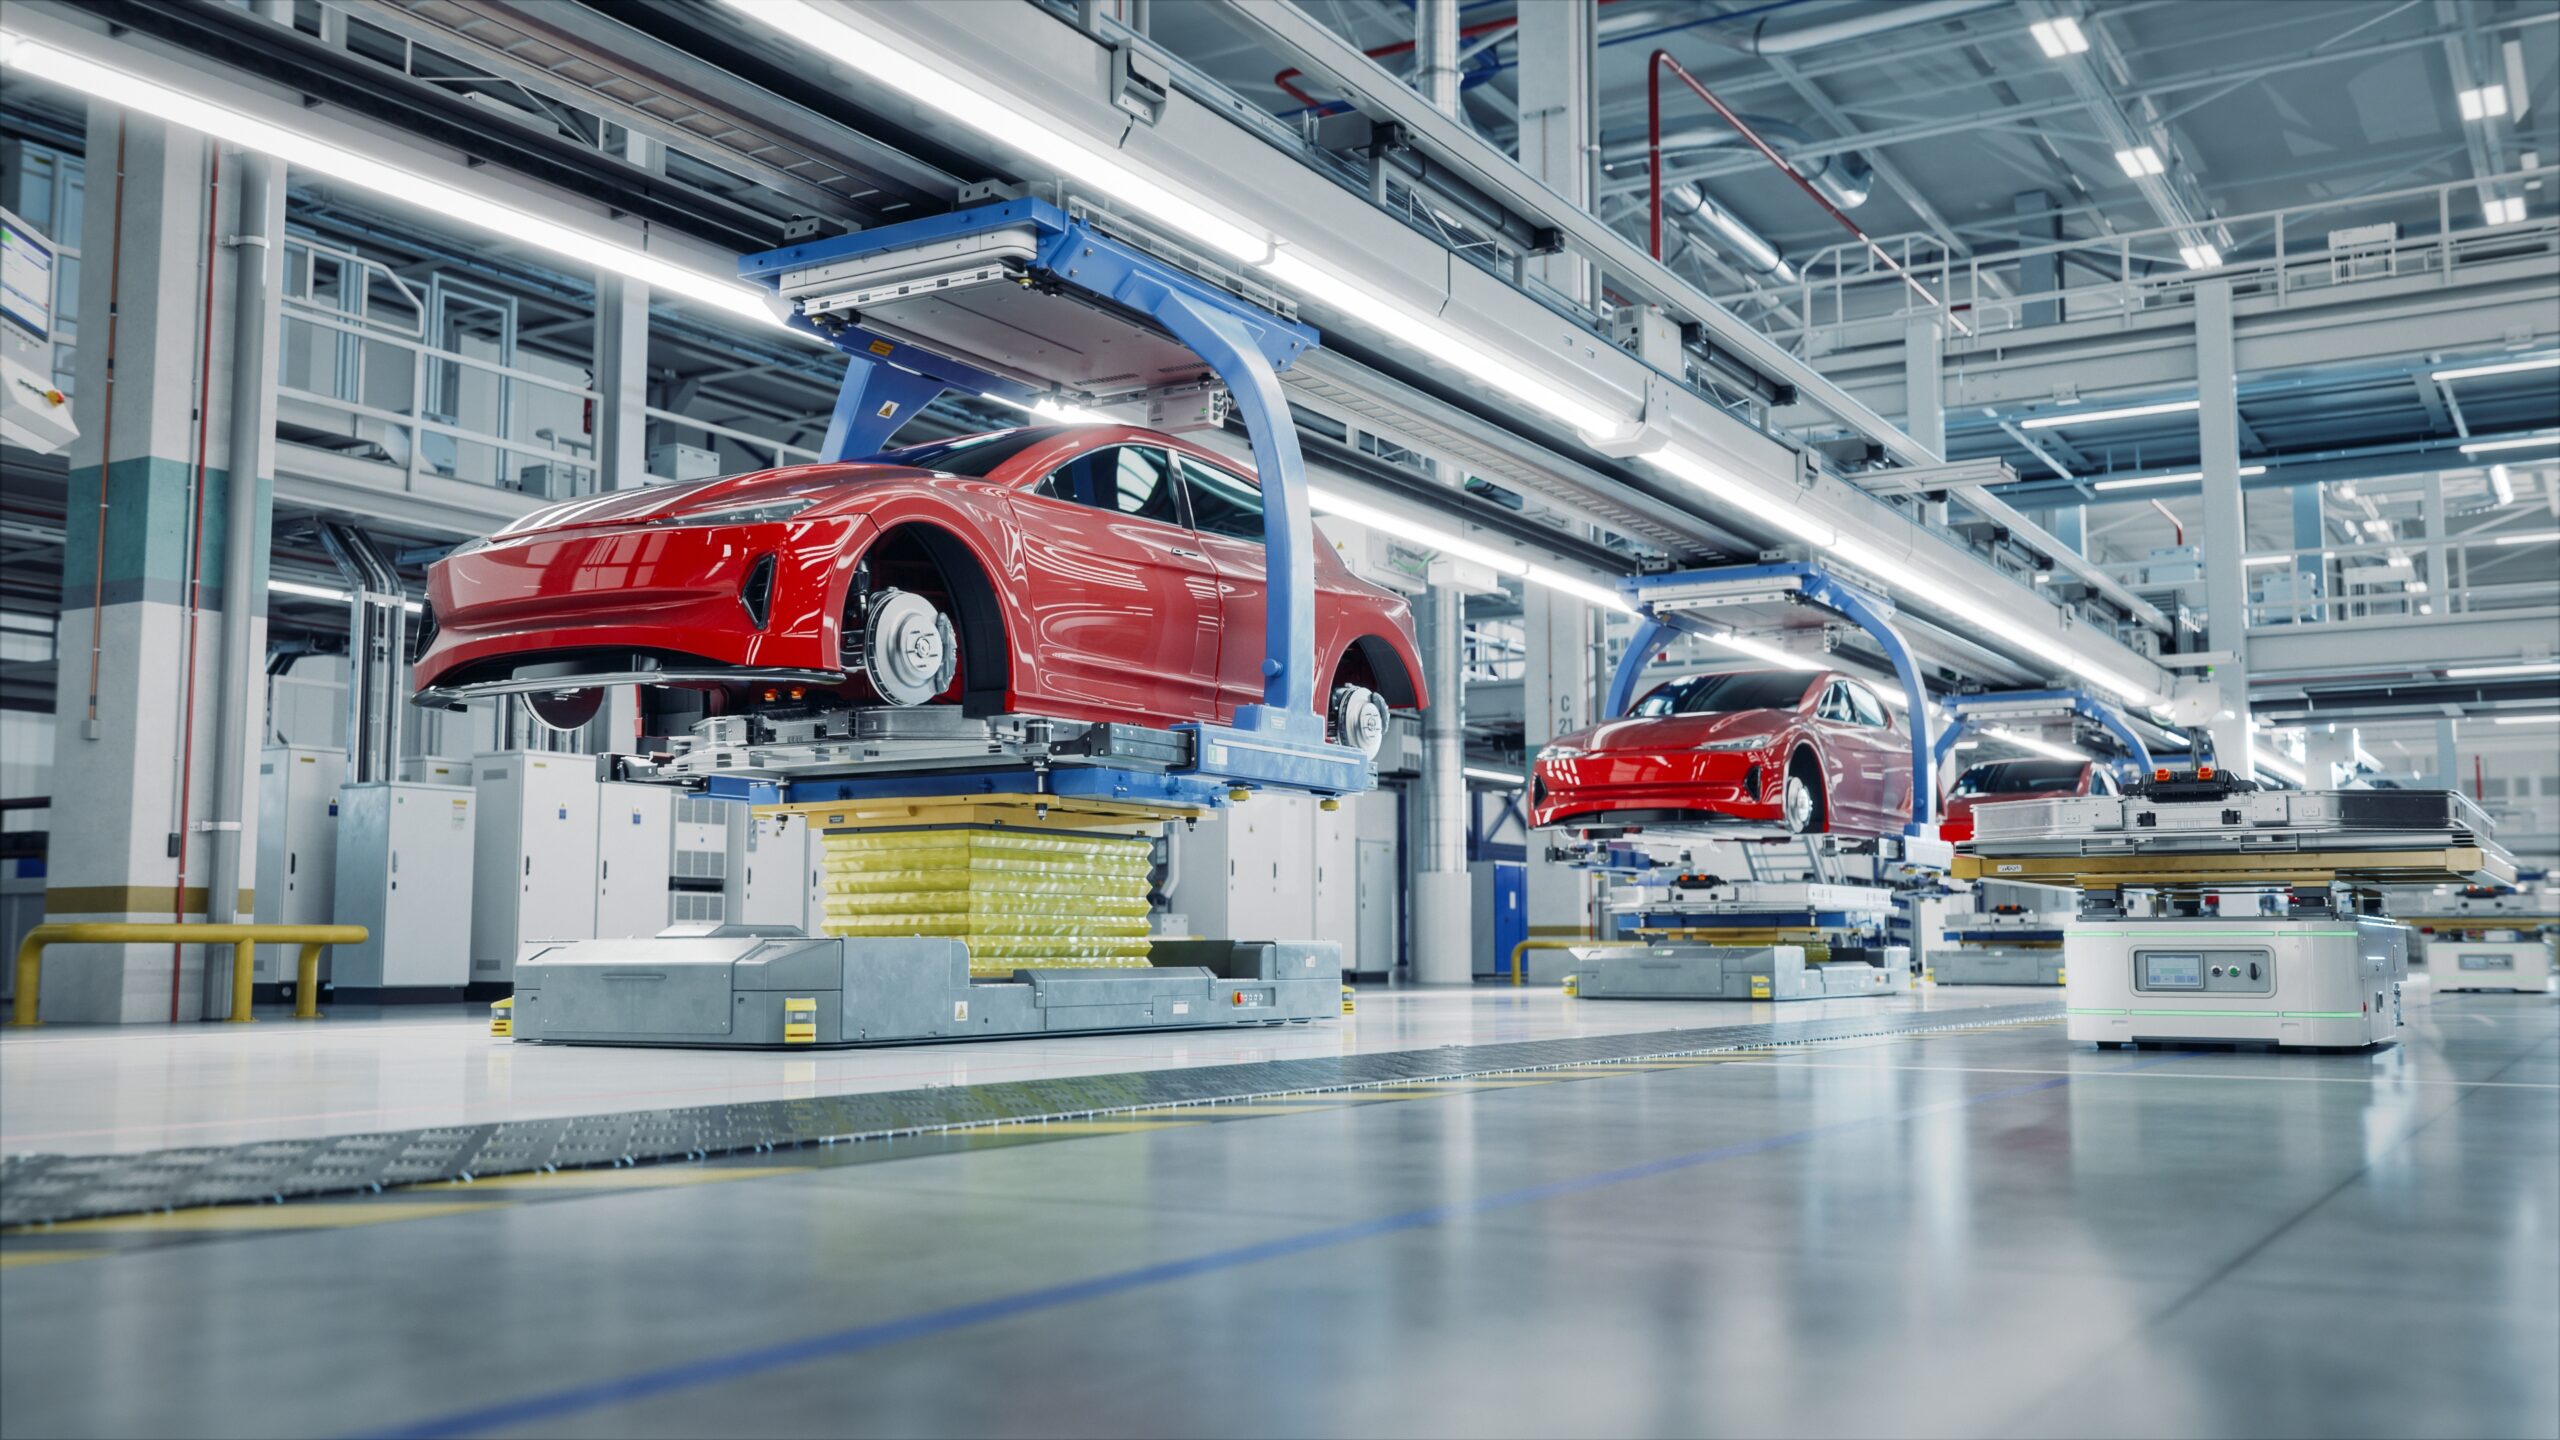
(1722, 972)
(1997, 965)
(2245, 821)
(745, 987)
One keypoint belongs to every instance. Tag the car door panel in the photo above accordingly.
(1226, 512)
(1121, 606)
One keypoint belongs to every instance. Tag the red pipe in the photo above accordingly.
(195, 576)
(2176, 529)
(1654, 67)
(2479, 787)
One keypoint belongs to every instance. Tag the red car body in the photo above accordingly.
(1059, 606)
(1996, 782)
(1721, 750)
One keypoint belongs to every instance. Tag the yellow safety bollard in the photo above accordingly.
(243, 939)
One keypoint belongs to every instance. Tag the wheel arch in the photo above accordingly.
(980, 610)
(1386, 669)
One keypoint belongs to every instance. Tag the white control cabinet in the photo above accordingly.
(633, 825)
(771, 879)
(297, 847)
(533, 867)
(404, 873)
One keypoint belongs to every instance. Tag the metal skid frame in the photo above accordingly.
(1967, 712)
(1075, 280)
(1675, 602)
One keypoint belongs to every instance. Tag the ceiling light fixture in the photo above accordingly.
(2059, 36)
(2035, 743)
(2520, 442)
(2139, 161)
(1490, 777)
(318, 157)
(2530, 537)
(2199, 256)
(2503, 209)
(2503, 367)
(2551, 717)
(2483, 103)
(2183, 477)
(2502, 485)
(2093, 417)
(323, 592)
(2493, 672)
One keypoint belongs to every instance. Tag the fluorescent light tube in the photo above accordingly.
(1683, 466)
(1490, 777)
(2092, 417)
(2483, 103)
(1588, 591)
(2058, 37)
(1332, 502)
(2502, 485)
(2524, 442)
(2547, 718)
(2199, 257)
(1762, 651)
(2139, 161)
(2256, 560)
(2503, 210)
(2530, 537)
(318, 157)
(323, 592)
(2035, 743)
(2491, 672)
(2503, 367)
(2183, 477)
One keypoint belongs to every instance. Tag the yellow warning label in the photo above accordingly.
(1759, 987)
(881, 347)
(800, 1020)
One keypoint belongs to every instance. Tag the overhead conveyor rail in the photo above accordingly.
(1968, 713)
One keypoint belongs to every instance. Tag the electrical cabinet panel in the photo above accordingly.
(297, 846)
(633, 826)
(770, 879)
(404, 867)
(533, 871)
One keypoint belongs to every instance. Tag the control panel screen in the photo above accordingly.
(2161, 971)
(2489, 961)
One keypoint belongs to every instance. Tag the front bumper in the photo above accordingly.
(650, 605)
(1611, 789)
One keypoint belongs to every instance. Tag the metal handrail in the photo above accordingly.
(243, 939)
(2442, 249)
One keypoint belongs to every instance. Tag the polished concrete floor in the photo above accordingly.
(1974, 1232)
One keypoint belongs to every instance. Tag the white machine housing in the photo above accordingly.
(2506, 960)
(533, 866)
(403, 871)
(297, 847)
(2302, 980)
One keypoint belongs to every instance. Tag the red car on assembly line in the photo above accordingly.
(1094, 572)
(1800, 751)
(1995, 782)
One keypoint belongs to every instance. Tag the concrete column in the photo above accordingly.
(2448, 754)
(2222, 529)
(1559, 126)
(147, 547)
(2070, 525)
(622, 383)
(1443, 894)
(1558, 695)
(2310, 533)
(2433, 514)
(2039, 223)
(1924, 385)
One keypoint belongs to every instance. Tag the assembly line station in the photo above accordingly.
(1280, 717)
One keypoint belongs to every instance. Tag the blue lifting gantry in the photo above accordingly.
(1040, 302)
(1968, 712)
(1674, 602)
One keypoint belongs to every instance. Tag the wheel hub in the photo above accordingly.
(908, 648)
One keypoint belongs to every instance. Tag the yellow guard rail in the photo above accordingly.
(243, 939)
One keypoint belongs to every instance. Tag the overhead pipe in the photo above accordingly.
(1847, 177)
(1759, 40)
(1660, 61)
(256, 266)
(1435, 48)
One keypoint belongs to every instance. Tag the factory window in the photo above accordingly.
(1835, 705)
(1222, 504)
(1130, 479)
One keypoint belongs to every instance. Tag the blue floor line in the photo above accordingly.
(856, 1339)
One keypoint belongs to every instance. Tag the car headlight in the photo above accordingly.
(1562, 752)
(764, 514)
(1738, 742)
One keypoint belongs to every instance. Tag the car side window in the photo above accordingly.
(1870, 710)
(1222, 504)
(1835, 704)
(1125, 479)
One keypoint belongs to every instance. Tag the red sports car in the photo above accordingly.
(1995, 782)
(1093, 572)
(1803, 751)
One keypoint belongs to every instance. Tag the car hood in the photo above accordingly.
(730, 492)
(1673, 732)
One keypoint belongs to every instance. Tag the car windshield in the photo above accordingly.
(973, 455)
(2019, 777)
(1724, 694)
